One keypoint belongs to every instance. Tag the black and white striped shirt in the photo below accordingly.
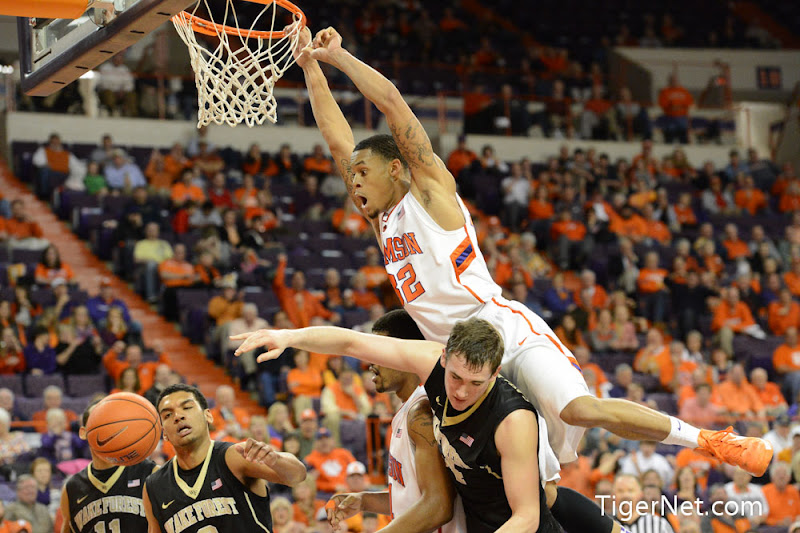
(648, 523)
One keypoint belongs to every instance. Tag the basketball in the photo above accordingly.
(123, 428)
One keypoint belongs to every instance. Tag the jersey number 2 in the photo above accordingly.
(406, 282)
(113, 527)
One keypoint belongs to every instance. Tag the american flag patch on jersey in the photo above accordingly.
(217, 484)
(466, 439)
(134, 483)
(399, 433)
(401, 212)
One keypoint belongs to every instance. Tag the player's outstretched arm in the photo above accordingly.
(258, 460)
(520, 470)
(429, 175)
(329, 117)
(435, 506)
(418, 357)
(152, 524)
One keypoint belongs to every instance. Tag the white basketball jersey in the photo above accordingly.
(440, 276)
(403, 486)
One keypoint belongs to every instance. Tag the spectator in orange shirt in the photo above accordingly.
(786, 361)
(207, 161)
(790, 199)
(318, 163)
(769, 393)
(648, 359)
(348, 221)
(570, 243)
(735, 247)
(738, 398)
(783, 499)
(460, 158)
(732, 316)
(157, 174)
(652, 290)
(344, 399)
(54, 164)
(584, 358)
(186, 191)
(53, 397)
(595, 119)
(792, 278)
(374, 269)
(228, 418)
(300, 305)
(749, 198)
(50, 267)
(684, 213)
(133, 359)
(175, 161)
(629, 224)
(675, 101)
(304, 383)
(19, 228)
(675, 371)
(362, 296)
(569, 333)
(783, 313)
(590, 295)
(656, 229)
(329, 463)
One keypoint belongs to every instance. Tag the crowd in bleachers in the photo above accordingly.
(675, 284)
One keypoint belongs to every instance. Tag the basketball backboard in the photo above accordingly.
(56, 52)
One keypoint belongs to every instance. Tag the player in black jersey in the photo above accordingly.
(483, 424)
(211, 487)
(104, 497)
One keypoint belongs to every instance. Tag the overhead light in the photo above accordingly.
(6, 69)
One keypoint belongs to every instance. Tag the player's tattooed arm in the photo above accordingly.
(420, 424)
(414, 144)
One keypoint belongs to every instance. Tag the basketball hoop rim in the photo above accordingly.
(207, 27)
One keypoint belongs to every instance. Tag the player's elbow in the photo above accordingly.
(529, 521)
(440, 510)
(392, 100)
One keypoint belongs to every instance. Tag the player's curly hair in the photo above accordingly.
(183, 387)
(478, 342)
(384, 146)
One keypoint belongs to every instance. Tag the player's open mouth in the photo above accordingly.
(184, 430)
(362, 200)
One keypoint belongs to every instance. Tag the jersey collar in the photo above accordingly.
(99, 485)
(194, 490)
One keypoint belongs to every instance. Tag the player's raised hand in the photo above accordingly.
(302, 49)
(326, 45)
(257, 452)
(273, 339)
(343, 507)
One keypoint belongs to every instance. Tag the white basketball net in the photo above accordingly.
(235, 80)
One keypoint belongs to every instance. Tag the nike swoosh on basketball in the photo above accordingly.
(81, 499)
(103, 442)
(165, 505)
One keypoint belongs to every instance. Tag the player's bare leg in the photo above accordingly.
(636, 422)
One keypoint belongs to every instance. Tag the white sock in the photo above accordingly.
(682, 434)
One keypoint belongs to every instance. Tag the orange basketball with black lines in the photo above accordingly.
(123, 428)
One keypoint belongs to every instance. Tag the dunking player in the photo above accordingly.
(484, 425)
(103, 497)
(431, 254)
(420, 496)
(211, 487)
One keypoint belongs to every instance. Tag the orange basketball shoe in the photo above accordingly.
(749, 453)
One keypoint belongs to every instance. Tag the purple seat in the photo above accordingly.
(34, 385)
(665, 401)
(13, 382)
(20, 255)
(84, 385)
(76, 404)
(354, 317)
(648, 383)
(28, 406)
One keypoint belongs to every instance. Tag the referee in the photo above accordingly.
(628, 489)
